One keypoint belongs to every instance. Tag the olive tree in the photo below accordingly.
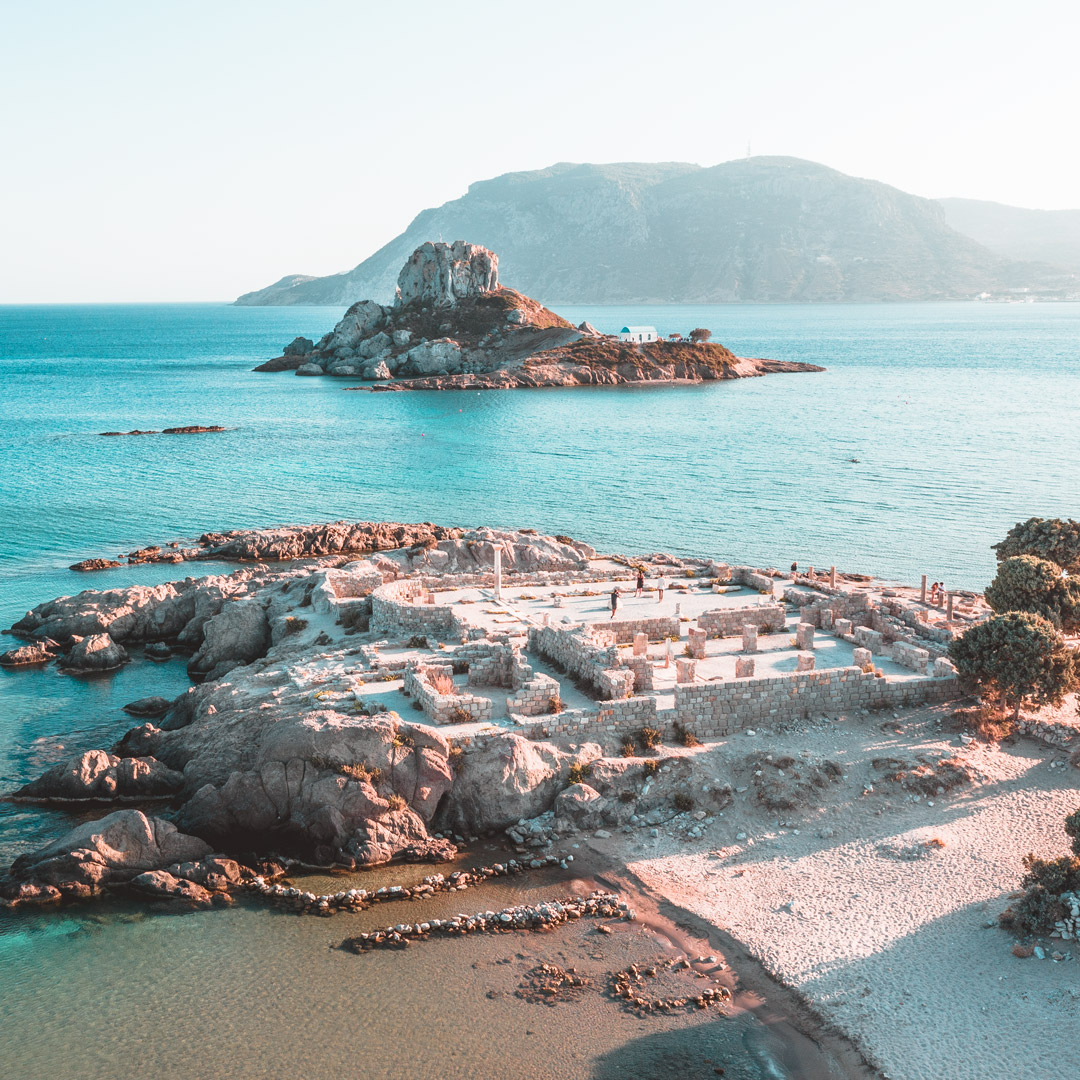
(700, 334)
(1055, 539)
(1027, 583)
(1019, 657)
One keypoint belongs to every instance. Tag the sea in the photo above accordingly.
(933, 429)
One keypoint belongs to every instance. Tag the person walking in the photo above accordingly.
(660, 586)
(640, 582)
(614, 601)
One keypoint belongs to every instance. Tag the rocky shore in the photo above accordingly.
(454, 327)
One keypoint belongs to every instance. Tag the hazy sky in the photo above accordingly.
(194, 151)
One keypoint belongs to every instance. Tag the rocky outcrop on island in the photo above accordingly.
(190, 429)
(755, 230)
(452, 325)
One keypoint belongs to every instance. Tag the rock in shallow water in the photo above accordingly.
(97, 652)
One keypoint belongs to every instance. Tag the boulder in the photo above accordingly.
(377, 371)
(36, 653)
(499, 780)
(97, 775)
(148, 706)
(299, 346)
(343, 367)
(441, 274)
(238, 634)
(401, 337)
(442, 357)
(157, 650)
(366, 787)
(97, 652)
(163, 886)
(116, 847)
(373, 346)
(355, 325)
(581, 805)
(310, 369)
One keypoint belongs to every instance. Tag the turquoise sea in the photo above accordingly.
(963, 419)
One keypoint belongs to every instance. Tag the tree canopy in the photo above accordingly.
(1028, 583)
(700, 334)
(1019, 657)
(1056, 539)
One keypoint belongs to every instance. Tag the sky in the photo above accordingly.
(194, 151)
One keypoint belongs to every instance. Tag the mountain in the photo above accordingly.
(1051, 236)
(764, 229)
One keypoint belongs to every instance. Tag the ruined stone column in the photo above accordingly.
(685, 670)
(498, 572)
(744, 667)
(862, 657)
(749, 638)
(697, 643)
(832, 576)
(806, 662)
(922, 591)
(804, 636)
(641, 645)
(948, 614)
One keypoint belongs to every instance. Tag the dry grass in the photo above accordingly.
(441, 684)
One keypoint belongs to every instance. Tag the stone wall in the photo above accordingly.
(535, 697)
(720, 708)
(754, 579)
(586, 654)
(398, 608)
(443, 708)
(729, 621)
(655, 629)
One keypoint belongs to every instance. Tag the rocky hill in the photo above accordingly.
(453, 326)
(765, 229)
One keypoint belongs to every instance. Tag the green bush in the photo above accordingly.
(579, 772)
(1018, 657)
(1055, 539)
(1028, 583)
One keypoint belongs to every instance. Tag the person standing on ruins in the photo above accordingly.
(640, 582)
(614, 601)
(660, 591)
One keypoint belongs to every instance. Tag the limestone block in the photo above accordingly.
(827, 618)
(869, 639)
(943, 667)
(808, 615)
(641, 645)
(804, 636)
(842, 627)
(806, 662)
(744, 667)
(749, 638)
(862, 657)
(685, 670)
(697, 643)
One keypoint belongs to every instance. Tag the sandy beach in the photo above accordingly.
(849, 899)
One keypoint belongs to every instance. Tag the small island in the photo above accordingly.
(452, 326)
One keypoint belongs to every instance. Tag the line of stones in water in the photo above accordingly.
(542, 916)
(309, 903)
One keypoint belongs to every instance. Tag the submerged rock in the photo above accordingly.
(148, 706)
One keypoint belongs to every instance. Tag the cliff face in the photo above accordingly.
(453, 326)
(761, 230)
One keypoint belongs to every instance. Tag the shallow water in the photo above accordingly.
(256, 992)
